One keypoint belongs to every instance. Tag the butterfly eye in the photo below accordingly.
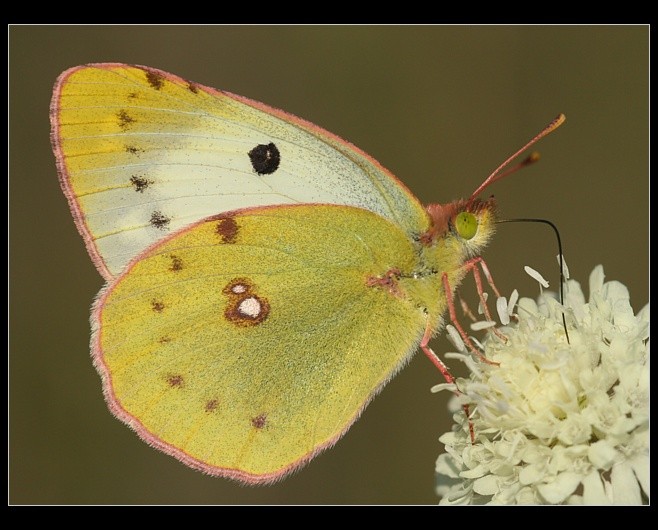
(466, 225)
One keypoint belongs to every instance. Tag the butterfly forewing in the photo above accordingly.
(143, 153)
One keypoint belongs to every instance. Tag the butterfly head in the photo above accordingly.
(468, 224)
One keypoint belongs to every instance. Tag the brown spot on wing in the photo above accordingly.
(259, 421)
(212, 405)
(175, 381)
(389, 281)
(192, 87)
(133, 150)
(157, 305)
(140, 183)
(244, 308)
(159, 220)
(154, 79)
(176, 264)
(244, 285)
(227, 229)
(125, 119)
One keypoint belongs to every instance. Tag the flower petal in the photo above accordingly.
(483, 324)
(531, 474)
(446, 466)
(625, 487)
(596, 281)
(602, 454)
(640, 465)
(501, 308)
(455, 338)
(476, 472)
(486, 485)
(536, 276)
(558, 490)
(565, 269)
(514, 297)
(593, 490)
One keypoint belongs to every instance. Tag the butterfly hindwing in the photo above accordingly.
(217, 344)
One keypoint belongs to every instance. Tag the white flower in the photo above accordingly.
(555, 422)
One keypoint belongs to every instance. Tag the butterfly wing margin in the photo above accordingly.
(245, 345)
(142, 153)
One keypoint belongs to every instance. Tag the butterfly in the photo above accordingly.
(265, 278)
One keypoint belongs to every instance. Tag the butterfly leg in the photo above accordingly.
(436, 361)
(458, 326)
(471, 265)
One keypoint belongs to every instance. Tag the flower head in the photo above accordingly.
(557, 421)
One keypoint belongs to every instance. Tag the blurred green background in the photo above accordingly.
(439, 106)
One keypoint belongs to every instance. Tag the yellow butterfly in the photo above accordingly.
(265, 278)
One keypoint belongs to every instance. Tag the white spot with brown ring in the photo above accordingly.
(245, 307)
(250, 307)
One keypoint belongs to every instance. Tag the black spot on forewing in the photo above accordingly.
(133, 150)
(265, 159)
(159, 220)
(140, 183)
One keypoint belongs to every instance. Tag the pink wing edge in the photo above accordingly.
(64, 178)
(63, 174)
(154, 441)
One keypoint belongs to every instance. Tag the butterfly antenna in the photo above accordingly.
(534, 157)
(559, 246)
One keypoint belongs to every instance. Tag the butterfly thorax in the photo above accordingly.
(459, 231)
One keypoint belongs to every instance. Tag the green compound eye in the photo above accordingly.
(466, 225)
